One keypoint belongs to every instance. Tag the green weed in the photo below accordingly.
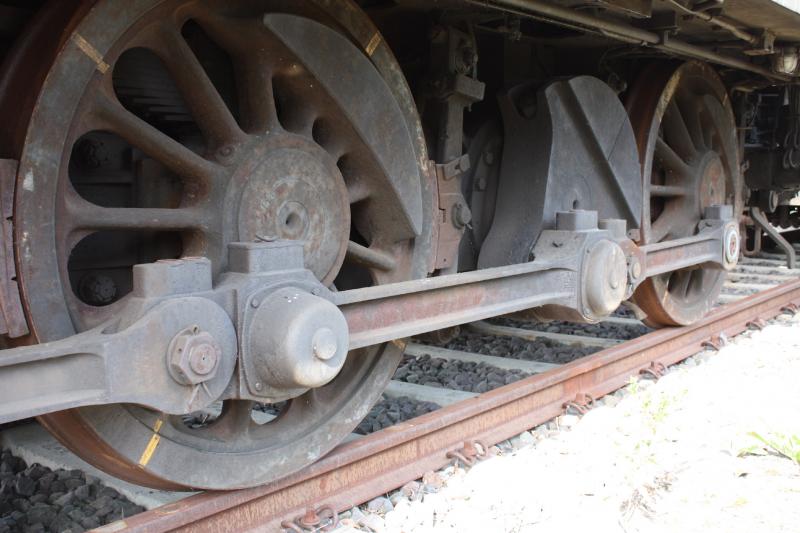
(787, 446)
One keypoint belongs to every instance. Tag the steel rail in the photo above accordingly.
(361, 469)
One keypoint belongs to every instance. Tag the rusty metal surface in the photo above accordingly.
(761, 223)
(617, 30)
(280, 306)
(13, 321)
(686, 134)
(573, 149)
(25, 67)
(357, 471)
(323, 119)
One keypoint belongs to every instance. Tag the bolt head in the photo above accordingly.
(203, 359)
(194, 357)
(461, 215)
(636, 269)
(324, 344)
(310, 520)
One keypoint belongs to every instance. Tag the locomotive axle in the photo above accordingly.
(269, 331)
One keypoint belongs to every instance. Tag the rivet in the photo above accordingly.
(636, 269)
(254, 303)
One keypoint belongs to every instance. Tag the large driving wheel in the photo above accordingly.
(169, 128)
(686, 135)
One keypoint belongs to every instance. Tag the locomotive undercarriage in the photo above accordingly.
(252, 203)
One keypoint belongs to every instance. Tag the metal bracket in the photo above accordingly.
(760, 220)
(453, 88)
(470, 453)
(12, 317)
(655, 370)
(765, 45)
(324, 518)
(582, 403)
(715, 343)
(453, 213)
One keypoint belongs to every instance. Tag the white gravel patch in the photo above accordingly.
(669, 457)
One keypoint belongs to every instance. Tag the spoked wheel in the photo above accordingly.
(686, 134)
(172, 128)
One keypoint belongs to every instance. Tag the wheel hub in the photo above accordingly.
(294, 191)
(712, 179)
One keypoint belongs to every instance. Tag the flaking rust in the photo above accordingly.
(12, 318)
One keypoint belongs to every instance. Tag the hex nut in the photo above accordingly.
(193, 356)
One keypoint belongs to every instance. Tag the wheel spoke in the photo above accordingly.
(660, 228)
(668, 191)
(235, 420)
(256, 96)
(691, 114)
(699, 279)
(207, 106)
(253, 67)
(164, 149)
(369, 257)
(709, 127)
(83, 215)
(679, 283)
(677, 133)
(358, 191)
(670, 160)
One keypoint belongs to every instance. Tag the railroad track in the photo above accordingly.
(467, 423)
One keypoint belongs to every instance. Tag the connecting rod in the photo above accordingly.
(269, 331)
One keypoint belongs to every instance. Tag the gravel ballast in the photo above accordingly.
(542, 350)
(600, 330)
(390, 411)
(37, 499)
(456, 375)
(675, 455)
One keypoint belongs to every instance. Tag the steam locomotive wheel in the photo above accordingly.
(171, 128)
(686, 135)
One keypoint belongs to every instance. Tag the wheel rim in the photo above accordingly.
(290, 165)
(686, 134)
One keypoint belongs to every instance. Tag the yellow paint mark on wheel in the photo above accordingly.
(148, 452)
(91, 52)
(373, 44)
